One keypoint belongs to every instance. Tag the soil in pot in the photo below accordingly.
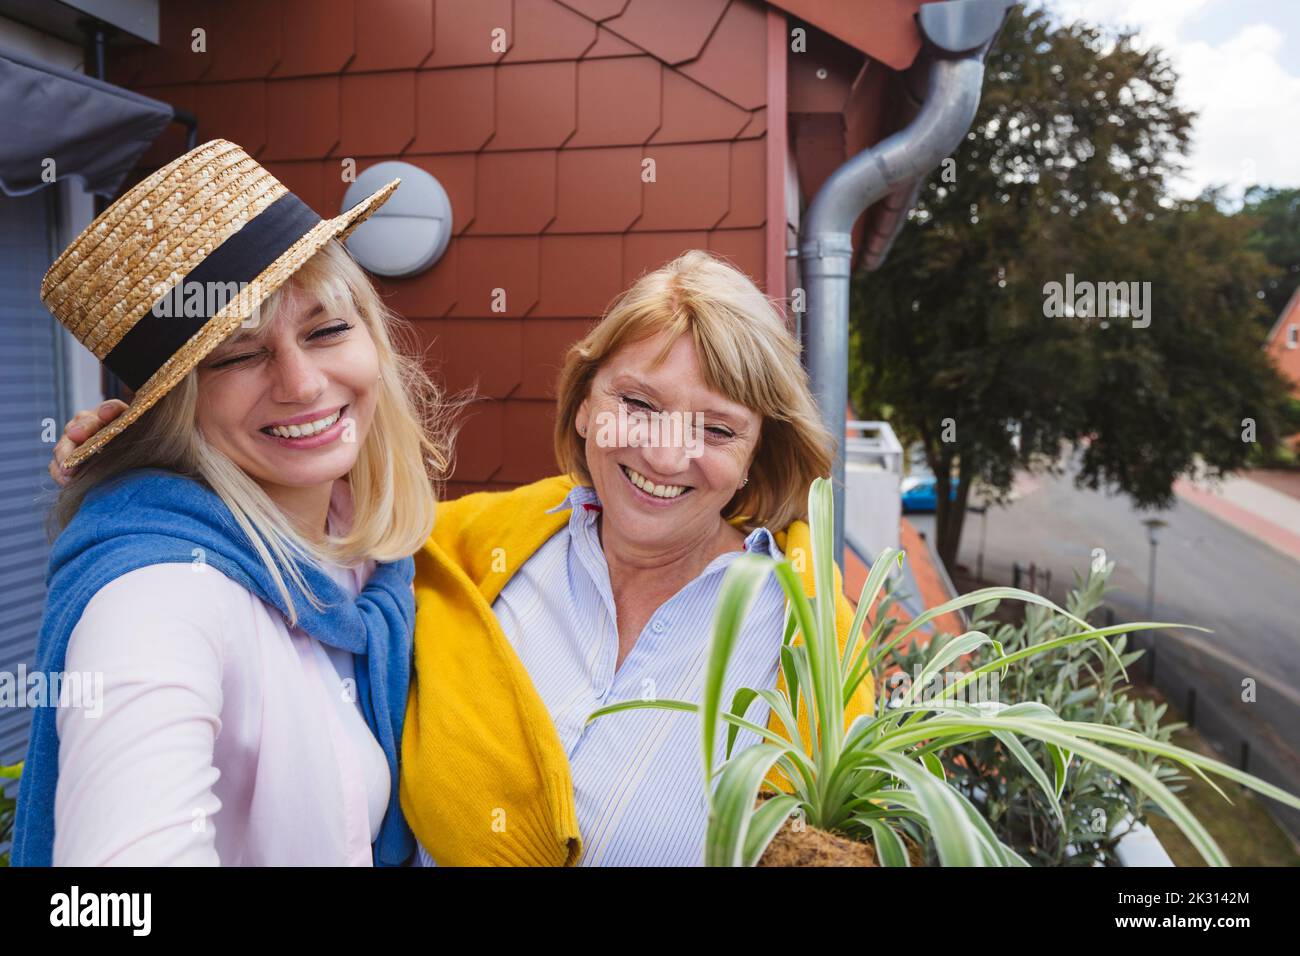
(798, 844)
(810, 846)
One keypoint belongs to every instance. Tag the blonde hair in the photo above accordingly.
(407, 448)
(746, 352)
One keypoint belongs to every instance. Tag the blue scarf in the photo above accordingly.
(148, 517)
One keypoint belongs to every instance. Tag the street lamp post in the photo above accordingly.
(983, 511)
(1153, 528)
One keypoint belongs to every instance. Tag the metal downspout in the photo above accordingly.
(957, 35)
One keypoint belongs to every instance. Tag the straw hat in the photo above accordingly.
(212, 220)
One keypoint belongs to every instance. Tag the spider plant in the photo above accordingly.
(881, 778)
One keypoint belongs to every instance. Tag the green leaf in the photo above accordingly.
(890, 849)
(765, 733)
(934, 765)
(886, 561)
(740, 702)
(653, 704)
(955, 840)
(766, 824)
(740, 585)
(966, 600)
(954, 649)
(1074, 737)
(733, 805)
(813, 678)
(859, 670)
(1022, 754)
(992, 848)
(1060, 767)
(1033, 651)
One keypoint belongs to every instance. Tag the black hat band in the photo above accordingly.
(180, 313)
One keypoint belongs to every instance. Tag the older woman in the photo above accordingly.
(688, 436)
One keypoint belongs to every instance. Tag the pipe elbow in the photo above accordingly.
(945, 116)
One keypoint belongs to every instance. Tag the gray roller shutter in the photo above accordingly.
(31, 392)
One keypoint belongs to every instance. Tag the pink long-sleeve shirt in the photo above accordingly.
(224, 737)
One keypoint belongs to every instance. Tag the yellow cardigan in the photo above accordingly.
(484, 780)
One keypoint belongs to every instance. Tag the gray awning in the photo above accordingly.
(92, 130)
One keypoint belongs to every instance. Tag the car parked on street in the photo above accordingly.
(919, 496)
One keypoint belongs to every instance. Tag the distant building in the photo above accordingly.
(1283, 343)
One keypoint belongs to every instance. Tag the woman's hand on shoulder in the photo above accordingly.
(77, 431)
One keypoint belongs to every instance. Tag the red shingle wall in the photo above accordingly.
(541, 149)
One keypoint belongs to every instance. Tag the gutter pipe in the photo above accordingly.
(944, 89)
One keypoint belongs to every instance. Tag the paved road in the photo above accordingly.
(1207, 572)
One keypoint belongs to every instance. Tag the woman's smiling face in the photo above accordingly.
(290, 405)
(666, 479)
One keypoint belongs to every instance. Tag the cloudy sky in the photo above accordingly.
(1239, 68)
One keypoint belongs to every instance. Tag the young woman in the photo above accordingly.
(233, 570)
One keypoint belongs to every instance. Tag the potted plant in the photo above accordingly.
(1079, 682)
(881, 780)
(8, 805)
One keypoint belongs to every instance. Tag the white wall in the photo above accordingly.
(872, 507)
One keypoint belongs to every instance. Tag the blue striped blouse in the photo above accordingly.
(637, 775)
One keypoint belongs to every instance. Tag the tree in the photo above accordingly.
(1063, 178)
(1277, 237)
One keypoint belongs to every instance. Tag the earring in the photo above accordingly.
(745, 482)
